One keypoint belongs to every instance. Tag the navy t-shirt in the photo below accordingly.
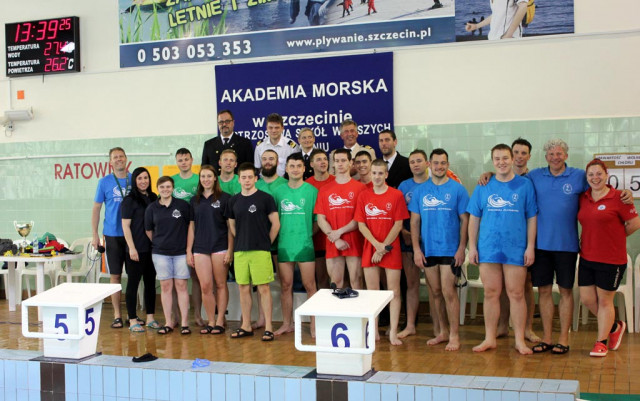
(251, 215)
(134, 211)
(210, 223)
(169, 225)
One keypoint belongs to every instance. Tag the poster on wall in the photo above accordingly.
(156, 32)
(316, 93)
(503, 19)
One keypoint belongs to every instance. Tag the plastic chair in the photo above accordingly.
(82, 245)
(624, 294)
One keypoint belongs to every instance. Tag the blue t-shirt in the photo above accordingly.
(407, 187)
(109, 193)
(558, 202)
(439, 207)
(504, 208)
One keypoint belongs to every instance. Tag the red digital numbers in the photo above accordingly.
(65, 24)
(56, 64)
(53, 48)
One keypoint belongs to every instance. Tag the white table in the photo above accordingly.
(16, 296)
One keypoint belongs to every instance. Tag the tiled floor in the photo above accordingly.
(613, 374)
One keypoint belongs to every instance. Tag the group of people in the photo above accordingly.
(349, 216)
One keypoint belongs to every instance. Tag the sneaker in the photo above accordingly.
(599, 349)
(615, 338)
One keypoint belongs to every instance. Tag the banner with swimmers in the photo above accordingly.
(157, 32)
(317, 93)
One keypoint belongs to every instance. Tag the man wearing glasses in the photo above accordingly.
(226, 140)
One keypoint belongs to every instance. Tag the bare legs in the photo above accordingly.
(412, 272)
(372, 278)
(514, 279)
(600, 303)
(285, 271)
(335, 268)
(211, 269)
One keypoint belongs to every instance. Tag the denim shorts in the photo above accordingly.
(170, 267)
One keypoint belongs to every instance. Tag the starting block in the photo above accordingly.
(344, 341)
(70, 318)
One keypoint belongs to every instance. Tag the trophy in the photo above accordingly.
(24, 229)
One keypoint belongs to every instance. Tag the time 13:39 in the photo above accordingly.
(41, 30)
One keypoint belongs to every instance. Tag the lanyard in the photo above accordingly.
(122, 193)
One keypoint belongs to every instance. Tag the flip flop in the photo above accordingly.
(117, 323)
(268, 336)
(541, 347)
(563, 349)
(153, 325)
(148, 357)
(184, 330)
(240, 333)
(218, 330)
(136, 328)
(165, 330)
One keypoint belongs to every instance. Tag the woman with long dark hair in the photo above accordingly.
(210, 246)
(138, 260)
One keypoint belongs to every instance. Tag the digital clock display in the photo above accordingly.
(43, 46)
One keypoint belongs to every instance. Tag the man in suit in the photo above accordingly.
(226, 140)
(397, 164)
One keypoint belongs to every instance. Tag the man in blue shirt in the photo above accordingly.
(502, 231)
(439, 236)
(111, 190)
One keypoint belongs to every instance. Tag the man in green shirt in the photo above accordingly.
(185, 187)
(295, 202)
(185, 182)
(228, 179)
(269, 178)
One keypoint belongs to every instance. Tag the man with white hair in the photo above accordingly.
(558, 189)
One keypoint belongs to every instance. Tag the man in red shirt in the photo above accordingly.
(335, 208)
(380, 212)
(319, 164)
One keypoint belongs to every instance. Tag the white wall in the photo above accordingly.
(593, 73)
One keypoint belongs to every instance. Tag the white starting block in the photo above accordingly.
(70, 318)
(344, 342)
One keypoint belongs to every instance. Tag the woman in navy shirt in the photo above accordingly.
(166, 222)
(210, 246)
(138, 257)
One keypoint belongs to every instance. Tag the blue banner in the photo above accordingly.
(156, 32)
(317, 93)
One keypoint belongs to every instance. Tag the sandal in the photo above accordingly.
(117, 323)
(239, 333)
(218, 330)
(268, 336)
(184, 330)
(165, 330)
(562, 349)
(153, 325)
(136, 328)
(541, 347)
(206, 330)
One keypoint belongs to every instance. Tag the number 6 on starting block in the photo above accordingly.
(70, 318)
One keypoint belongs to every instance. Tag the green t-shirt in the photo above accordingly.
(295, 207)
(272, 186)
(232, 186)
(185, 189)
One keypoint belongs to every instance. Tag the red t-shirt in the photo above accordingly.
(337, 202)
(380, 212)
(603, 236)
(319, 239)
